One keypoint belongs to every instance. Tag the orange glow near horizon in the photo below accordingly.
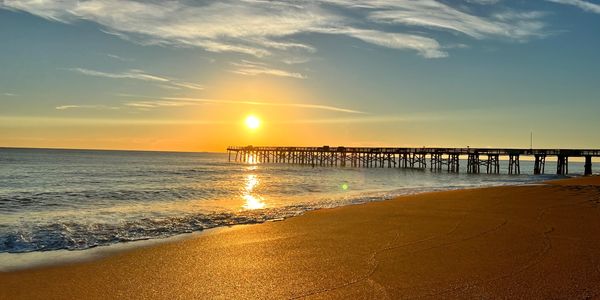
(191, 126)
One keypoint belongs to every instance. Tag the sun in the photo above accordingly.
(252, 122)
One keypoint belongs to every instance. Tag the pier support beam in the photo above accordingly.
(418, 161)
(588, 166)
(436, 162)
(540, 164)
(514, 164)
(562, 165)
(473, 163)
(404, 161)
(493, 164)
(453, 163)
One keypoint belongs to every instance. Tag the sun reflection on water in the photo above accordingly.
(252, 201)
(253, 159)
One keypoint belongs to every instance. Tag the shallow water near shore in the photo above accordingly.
(80, 199)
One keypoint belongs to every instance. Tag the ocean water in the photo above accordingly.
(79, 199)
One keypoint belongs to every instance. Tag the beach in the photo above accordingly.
(299, 149)
(529, 241)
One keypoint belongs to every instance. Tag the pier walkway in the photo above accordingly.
(478, 159)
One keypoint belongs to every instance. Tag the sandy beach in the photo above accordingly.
(536, 241)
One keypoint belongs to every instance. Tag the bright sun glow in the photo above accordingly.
(252, 122)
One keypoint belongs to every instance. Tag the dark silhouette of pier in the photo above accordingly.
(478, 159)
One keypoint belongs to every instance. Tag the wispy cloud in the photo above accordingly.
(158, 103)
(426, 47)
(62, 121)
(147, 103)
(439, 16)
(258, 103)
(114, 56)
(73, 106)
(256, 68)
(9, 94)
(371, 119)
(296, 60)
(188, 85)
(263, 28)
(139, 75)
(483, 2)
(585, 5)
(131, 74)
(150, 102)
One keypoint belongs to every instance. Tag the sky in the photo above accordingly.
(183, 75)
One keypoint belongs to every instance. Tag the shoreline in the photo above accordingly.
(20, 261)
(429, 244)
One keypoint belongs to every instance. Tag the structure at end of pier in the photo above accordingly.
(448, 159)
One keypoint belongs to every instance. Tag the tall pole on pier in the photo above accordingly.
(531, 141)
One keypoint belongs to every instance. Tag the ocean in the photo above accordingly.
(79, 199)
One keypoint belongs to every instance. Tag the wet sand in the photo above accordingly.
(539, 241)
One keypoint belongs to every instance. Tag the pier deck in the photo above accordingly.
(478, 159)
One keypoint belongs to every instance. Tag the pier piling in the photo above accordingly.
(514, 164)
(540, 164)
(588, 165)
(562, 165)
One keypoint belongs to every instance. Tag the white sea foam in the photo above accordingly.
(19, 261)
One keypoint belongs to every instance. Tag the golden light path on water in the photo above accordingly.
(252, 201)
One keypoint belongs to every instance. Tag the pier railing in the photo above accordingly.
(416, 158)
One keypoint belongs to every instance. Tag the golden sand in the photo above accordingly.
(539, 241)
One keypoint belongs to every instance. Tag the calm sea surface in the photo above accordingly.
(78, 199)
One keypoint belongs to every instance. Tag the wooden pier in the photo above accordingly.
(448, 159)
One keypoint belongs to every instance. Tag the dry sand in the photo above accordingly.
(538, 241)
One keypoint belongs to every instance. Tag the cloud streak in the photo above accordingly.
(139, 75)
(73, 106)
(270, 28)
(256, 68)
(439, 16)
(426, 47)
(587, 6)
(183, 101)
(131, 74)
(147, 103)
(119, 58)
(259, 103)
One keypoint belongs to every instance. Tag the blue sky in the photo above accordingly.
(180, 75)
